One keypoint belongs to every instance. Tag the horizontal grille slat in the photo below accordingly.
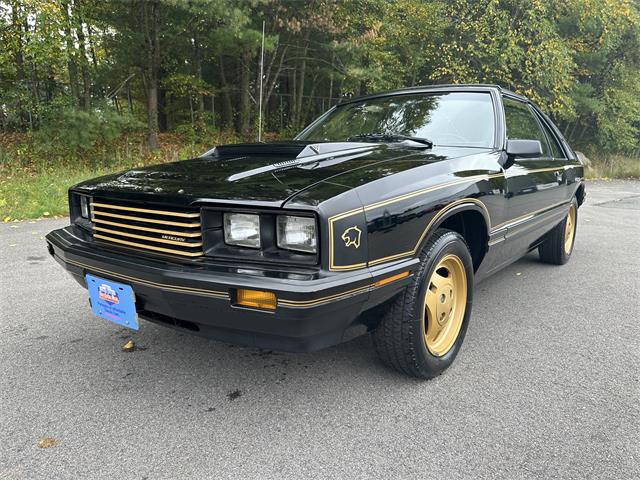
(148, 229)
(147, 220)
(147, 210)
(150, 247)
(163, 229)
(153, 239)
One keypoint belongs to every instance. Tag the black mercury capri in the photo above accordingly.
(378, 217)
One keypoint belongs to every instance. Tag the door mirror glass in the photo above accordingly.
(518, 148)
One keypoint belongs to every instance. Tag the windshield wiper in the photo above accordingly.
(391, 137)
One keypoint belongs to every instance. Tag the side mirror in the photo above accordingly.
(518, 148)
(524, 148)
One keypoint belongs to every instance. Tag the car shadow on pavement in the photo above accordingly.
(182, 354)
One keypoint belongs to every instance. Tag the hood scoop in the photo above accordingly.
(311, 155)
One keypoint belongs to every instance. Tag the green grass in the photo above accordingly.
(33, 193)
(39, 194)
(34, 180)
(613, 166)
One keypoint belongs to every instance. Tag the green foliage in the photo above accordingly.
(79, 130)
(79, 73)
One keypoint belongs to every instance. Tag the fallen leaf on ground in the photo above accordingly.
(46, 214)
(47, 442)
(519, 273)
(129, 346)
(6, 219)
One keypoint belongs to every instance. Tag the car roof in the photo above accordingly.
(452, 87)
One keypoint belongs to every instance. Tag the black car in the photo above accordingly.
(378, 217)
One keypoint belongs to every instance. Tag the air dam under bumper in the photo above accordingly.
(313, 311)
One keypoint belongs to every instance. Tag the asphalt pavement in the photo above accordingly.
(547, 384)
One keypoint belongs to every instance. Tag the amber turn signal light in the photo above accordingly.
(256, 299)
(392, 278)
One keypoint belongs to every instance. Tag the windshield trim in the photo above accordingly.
(498, 131)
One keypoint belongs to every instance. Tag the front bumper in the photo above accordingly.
(315, 308)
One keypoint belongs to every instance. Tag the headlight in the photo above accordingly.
(84, 206)
(297, 233)
(242, 229)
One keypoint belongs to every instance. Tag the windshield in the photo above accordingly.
(446, 119)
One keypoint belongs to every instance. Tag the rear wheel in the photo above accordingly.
(558, 246)
(421, 333)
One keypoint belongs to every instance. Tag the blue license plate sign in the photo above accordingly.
(113, 301)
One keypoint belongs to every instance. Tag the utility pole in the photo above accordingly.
(261, 82)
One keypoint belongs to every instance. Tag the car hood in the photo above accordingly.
(265, 174)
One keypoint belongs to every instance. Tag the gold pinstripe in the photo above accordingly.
(330, 298)
(435, 218)
(149, 283)
(332, 265)
(406, 196)
(526, 216)
(447, 207)
(372, 206)
(225, 295)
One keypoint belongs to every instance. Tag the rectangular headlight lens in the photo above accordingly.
(297, 233)
(242, 229)
(84, 206)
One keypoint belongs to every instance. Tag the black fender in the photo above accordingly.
(455, 208)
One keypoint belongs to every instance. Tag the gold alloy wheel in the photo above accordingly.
(444, 305)
(569, 229)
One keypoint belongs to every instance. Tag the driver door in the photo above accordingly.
(534, 186)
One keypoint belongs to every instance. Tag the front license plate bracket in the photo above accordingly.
(113, 301)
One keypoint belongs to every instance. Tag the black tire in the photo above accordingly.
(553, 249)
(399, 339)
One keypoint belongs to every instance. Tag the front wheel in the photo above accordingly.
(422, 331)
(558, 246)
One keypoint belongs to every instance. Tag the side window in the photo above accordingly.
(556, 151)
(521, 124)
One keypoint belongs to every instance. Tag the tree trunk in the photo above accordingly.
(244, 123)
(299, 118)
(293, 85)
(310, 106)
(92, 49)
(129, 99)
(151, 16)
(163, 102)
(84, 62)
(19, 62)
(71, 62)
(197, 57)
(331, 81)
(272, 80)
(227, 107)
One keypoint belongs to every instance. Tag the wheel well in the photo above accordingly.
(473, 228)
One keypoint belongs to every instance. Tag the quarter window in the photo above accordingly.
(521, 124)
(556, 151)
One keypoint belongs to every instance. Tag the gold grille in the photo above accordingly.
(159, 229)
